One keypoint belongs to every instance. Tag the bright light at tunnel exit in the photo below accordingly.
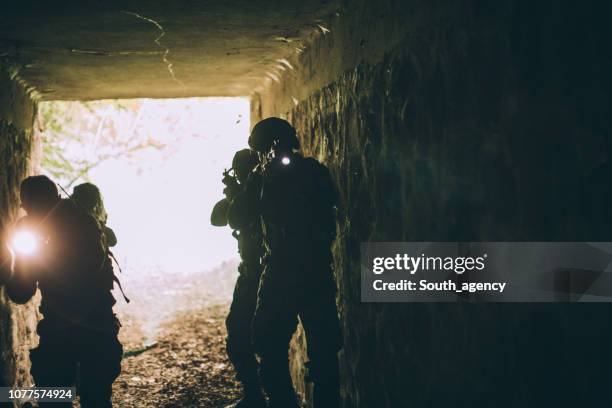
(160, 209)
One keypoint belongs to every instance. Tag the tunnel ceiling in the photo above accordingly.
(164, 49)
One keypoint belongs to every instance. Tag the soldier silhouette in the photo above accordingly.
(241, 189)
(63, 254)
(89, 198)
(297, 207)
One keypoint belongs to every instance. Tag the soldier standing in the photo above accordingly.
(60, 250)
(235, 209)
(297, 206)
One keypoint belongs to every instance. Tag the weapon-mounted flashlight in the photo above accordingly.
(24, 242)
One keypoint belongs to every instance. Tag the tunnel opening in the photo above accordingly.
(157, 160)
(158, 164)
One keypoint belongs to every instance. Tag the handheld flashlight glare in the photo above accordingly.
(24, 243)
(285, 160)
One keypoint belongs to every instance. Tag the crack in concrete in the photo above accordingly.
(157, 41)
(112, 53)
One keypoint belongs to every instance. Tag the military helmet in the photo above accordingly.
(38, 187)
(38, 194)
(89, 199)
(244, 162)
(273, 130)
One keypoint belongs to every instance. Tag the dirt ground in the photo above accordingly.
(174, 340)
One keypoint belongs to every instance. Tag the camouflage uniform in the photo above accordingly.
(298, 214)
(79, 330)
(240, 318)
(87, 196)
(239, 210)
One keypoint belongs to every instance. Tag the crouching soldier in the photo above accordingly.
(239, 210)
(59, 249)
(298, 215)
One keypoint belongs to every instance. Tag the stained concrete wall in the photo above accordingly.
(463, 121)
(17, 139)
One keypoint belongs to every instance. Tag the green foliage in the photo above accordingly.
(79, 136)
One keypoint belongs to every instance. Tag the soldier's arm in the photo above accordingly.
(84, 234)
(111, 237)
(329, 200)
(93, 241)
(21, 282)
(328, 186)
(326, 192)
(236, 212)
(244, 209)
(218, 217)
(21, 286)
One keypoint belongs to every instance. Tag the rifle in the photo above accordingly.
(232, 187)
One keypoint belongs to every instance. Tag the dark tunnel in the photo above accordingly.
(439, 121)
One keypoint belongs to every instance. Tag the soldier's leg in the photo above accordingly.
(319, 316)
(274, 324)
(53, 364)
(239, 325)
(100, 364)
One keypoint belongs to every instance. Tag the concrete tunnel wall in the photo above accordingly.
(17, 159)
(478, 121)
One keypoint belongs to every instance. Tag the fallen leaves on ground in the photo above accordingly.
(187, 367)
(174, 335)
